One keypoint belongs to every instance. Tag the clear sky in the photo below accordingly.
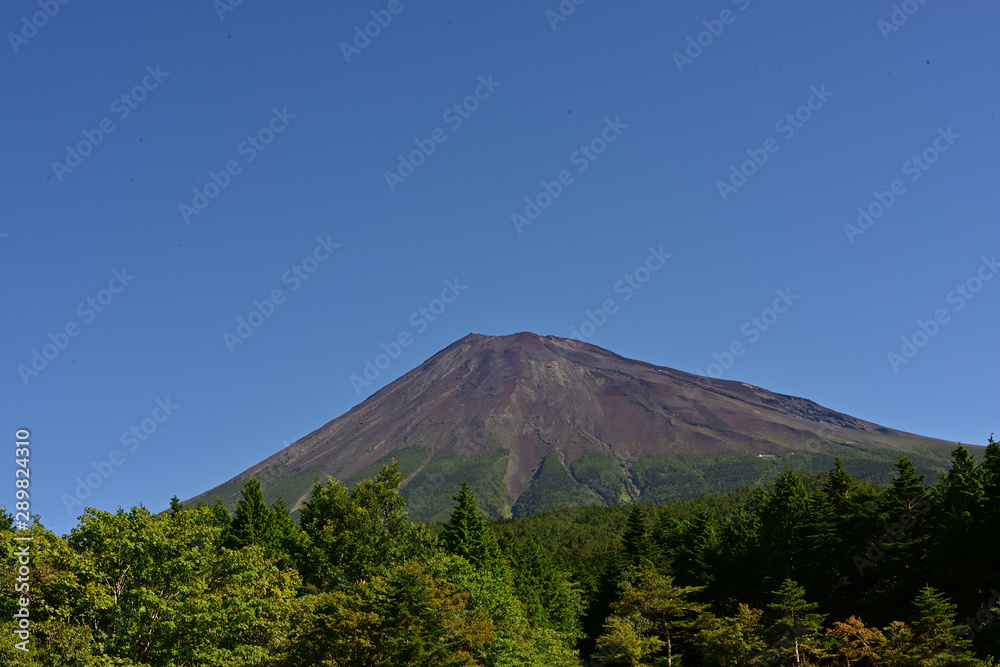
(683, 168)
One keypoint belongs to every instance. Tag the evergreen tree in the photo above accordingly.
(636, 542)
(782, 529)
(696, 552)
(937, 639)
(221, 518)
(648, 594)
(626, 639)
(958, 518)
(733, 641)
(254, 522)
(288, 542)
(856, 644)
(907, 489)
(839, 485)
(988, 530)
(550, 600)
(466, 533)
(794, 625)
(176, 505)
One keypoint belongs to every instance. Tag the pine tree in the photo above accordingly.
(466, 533)
(647, 593)
(937, 639)
(988, 531)
(957, 519)
(857, 644)
(733, 641)
(288, 537)
(839, 485)
(783, 527)
(907, 489)
(636, 542)
(221, 517)
(794, 625)
(696, 553)
(626, 639)
(254, 522)
(176, 505)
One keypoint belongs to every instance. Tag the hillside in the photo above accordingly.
(535, 423)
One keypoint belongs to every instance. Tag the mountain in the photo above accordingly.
(535, 423)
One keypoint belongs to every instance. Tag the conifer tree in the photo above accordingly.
(466, 534)
(957, 520)
(287, 542)
(907, 488)
(636, 542)
(671, 611)
(937, 638)
(697, 549)
(857, 644)
(989, 528)
(253, 522)
(221, 517)
(794, 625)
(733, 641)
(783, 522)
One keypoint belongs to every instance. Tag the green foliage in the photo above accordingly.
(408, 460)
(735, 640)
(466, 535)
(553, 487)
(254, 523)
(358, 534)
(793, 626)
(718, 580)
(429, 492)
(605, 476)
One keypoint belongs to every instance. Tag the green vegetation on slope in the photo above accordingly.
(808, 569)
(553, 487)
(429, 493)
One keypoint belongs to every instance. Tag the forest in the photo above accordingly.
(809, 569)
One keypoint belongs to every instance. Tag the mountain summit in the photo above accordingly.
(539, 422)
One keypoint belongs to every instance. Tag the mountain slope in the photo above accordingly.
(539, 422)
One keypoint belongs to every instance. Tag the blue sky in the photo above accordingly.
(693, 168)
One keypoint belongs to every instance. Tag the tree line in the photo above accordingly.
(806, 570)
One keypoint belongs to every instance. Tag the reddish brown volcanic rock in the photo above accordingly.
(532, 395)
